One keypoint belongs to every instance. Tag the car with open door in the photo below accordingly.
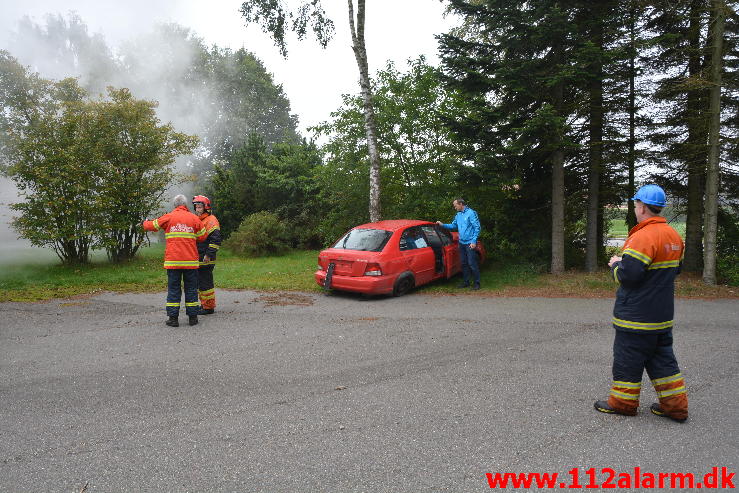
(390, 257)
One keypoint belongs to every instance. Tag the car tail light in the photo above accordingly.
(373, 270)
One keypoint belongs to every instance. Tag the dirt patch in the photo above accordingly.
(285, 299)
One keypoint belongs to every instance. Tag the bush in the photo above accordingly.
(727, 249)
(259, 234)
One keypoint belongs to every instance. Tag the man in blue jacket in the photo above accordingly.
(468, 225)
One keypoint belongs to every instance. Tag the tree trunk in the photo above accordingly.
(630, 212)
(714, 150)
(360, 54)
(558, 179)
(592, 237)
(696, 148)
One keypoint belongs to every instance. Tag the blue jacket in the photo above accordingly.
(468, 225)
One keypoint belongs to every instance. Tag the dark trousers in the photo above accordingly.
(468, 258)
(633, 352)
(175, 279)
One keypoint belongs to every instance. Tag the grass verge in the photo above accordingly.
(294, 272)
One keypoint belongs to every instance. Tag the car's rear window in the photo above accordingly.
(368, 240)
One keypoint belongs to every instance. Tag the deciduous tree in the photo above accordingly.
(273, 15)
(88, 170)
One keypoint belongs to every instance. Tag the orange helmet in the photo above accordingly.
(203, 200)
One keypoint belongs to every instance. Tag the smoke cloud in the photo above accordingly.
(163, 64)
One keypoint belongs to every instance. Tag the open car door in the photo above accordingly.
(437, 246)
(449, 250)
(417, 254)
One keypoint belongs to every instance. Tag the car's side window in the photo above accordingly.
(445, 235)
(412, 238)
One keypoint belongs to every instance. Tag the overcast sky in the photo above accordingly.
(312, 78)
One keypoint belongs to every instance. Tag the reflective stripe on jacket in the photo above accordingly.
(211, 245)
(646, 274)
(182, 229)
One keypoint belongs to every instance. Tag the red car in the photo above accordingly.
(390, 257)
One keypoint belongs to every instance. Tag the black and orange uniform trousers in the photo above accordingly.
(206, 287)
(210, 247)
(643, 319)
(632, 354)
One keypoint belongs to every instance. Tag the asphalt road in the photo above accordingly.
(338, 394)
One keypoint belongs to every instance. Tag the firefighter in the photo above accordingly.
(643, 313)
(182, 230)
(207, 254)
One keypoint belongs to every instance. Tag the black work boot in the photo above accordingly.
(206, 311)
(603, 407)
(463, 285)
(657, 410)
(173, 321)
(193, 319)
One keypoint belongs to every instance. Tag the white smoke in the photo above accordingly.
(154, 65)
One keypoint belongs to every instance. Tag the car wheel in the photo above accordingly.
(404, 284)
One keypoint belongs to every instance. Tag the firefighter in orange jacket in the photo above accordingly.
(207, 251)
(182, 230)
(643, 313)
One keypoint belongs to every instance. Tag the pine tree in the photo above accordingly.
(513, 62)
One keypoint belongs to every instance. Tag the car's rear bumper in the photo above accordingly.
(358, 284)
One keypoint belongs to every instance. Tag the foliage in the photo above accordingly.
(262, 233)
(286, 185)
(89, 170)
(420, 167)
(219, 94)
(281, 180)
(232, 185)
(507, 58)
(508, 69)
(727, 266)
(273, 15)
(246, 100)
(136, 154)
(47, 144)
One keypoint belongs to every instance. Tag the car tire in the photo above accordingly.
(403, 284)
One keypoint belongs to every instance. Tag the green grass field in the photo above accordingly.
(33, 282)
(618, 228)
(292, 271)
(29, 281)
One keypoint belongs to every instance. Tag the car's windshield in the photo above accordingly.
(369, 240)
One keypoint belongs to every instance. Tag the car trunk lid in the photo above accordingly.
(346, 262)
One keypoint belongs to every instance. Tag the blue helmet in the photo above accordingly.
(651, 194)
